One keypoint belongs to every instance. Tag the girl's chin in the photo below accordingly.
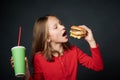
(66, 40)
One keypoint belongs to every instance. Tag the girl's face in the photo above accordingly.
(57, 32)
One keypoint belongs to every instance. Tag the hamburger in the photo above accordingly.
(77, 32)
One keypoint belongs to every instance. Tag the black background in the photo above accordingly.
(102, 16)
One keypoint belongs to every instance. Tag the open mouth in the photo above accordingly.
(64, 34)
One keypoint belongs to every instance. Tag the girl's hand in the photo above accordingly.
(27, 73)
(89, 38)
(12, 62)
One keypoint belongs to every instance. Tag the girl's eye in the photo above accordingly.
(55, 27)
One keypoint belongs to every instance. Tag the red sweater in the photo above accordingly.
(65, 66)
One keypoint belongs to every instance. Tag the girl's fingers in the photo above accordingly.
(12, 62)
(26, 62)
(12, 66)
(85, 27)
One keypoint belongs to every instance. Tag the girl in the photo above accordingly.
(53, 57)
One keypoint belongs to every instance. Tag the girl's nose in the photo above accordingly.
(62, 27)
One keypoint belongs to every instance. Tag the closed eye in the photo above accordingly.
(55, 27)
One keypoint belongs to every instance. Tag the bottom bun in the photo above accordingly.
(72, 35)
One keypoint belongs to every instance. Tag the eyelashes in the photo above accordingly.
(57, 24)
(55, 27)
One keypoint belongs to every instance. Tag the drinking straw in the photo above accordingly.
(19, 35)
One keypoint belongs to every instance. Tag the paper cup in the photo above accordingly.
(18, 54)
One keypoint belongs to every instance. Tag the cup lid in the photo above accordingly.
(17, 47)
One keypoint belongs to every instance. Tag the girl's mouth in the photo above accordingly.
(64, 34)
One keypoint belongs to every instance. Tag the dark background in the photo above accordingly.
(102, 16)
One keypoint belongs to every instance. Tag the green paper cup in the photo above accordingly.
(18, 54)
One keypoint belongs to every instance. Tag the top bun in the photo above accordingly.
(77, 28)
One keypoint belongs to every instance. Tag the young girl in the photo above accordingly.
(53, 57)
